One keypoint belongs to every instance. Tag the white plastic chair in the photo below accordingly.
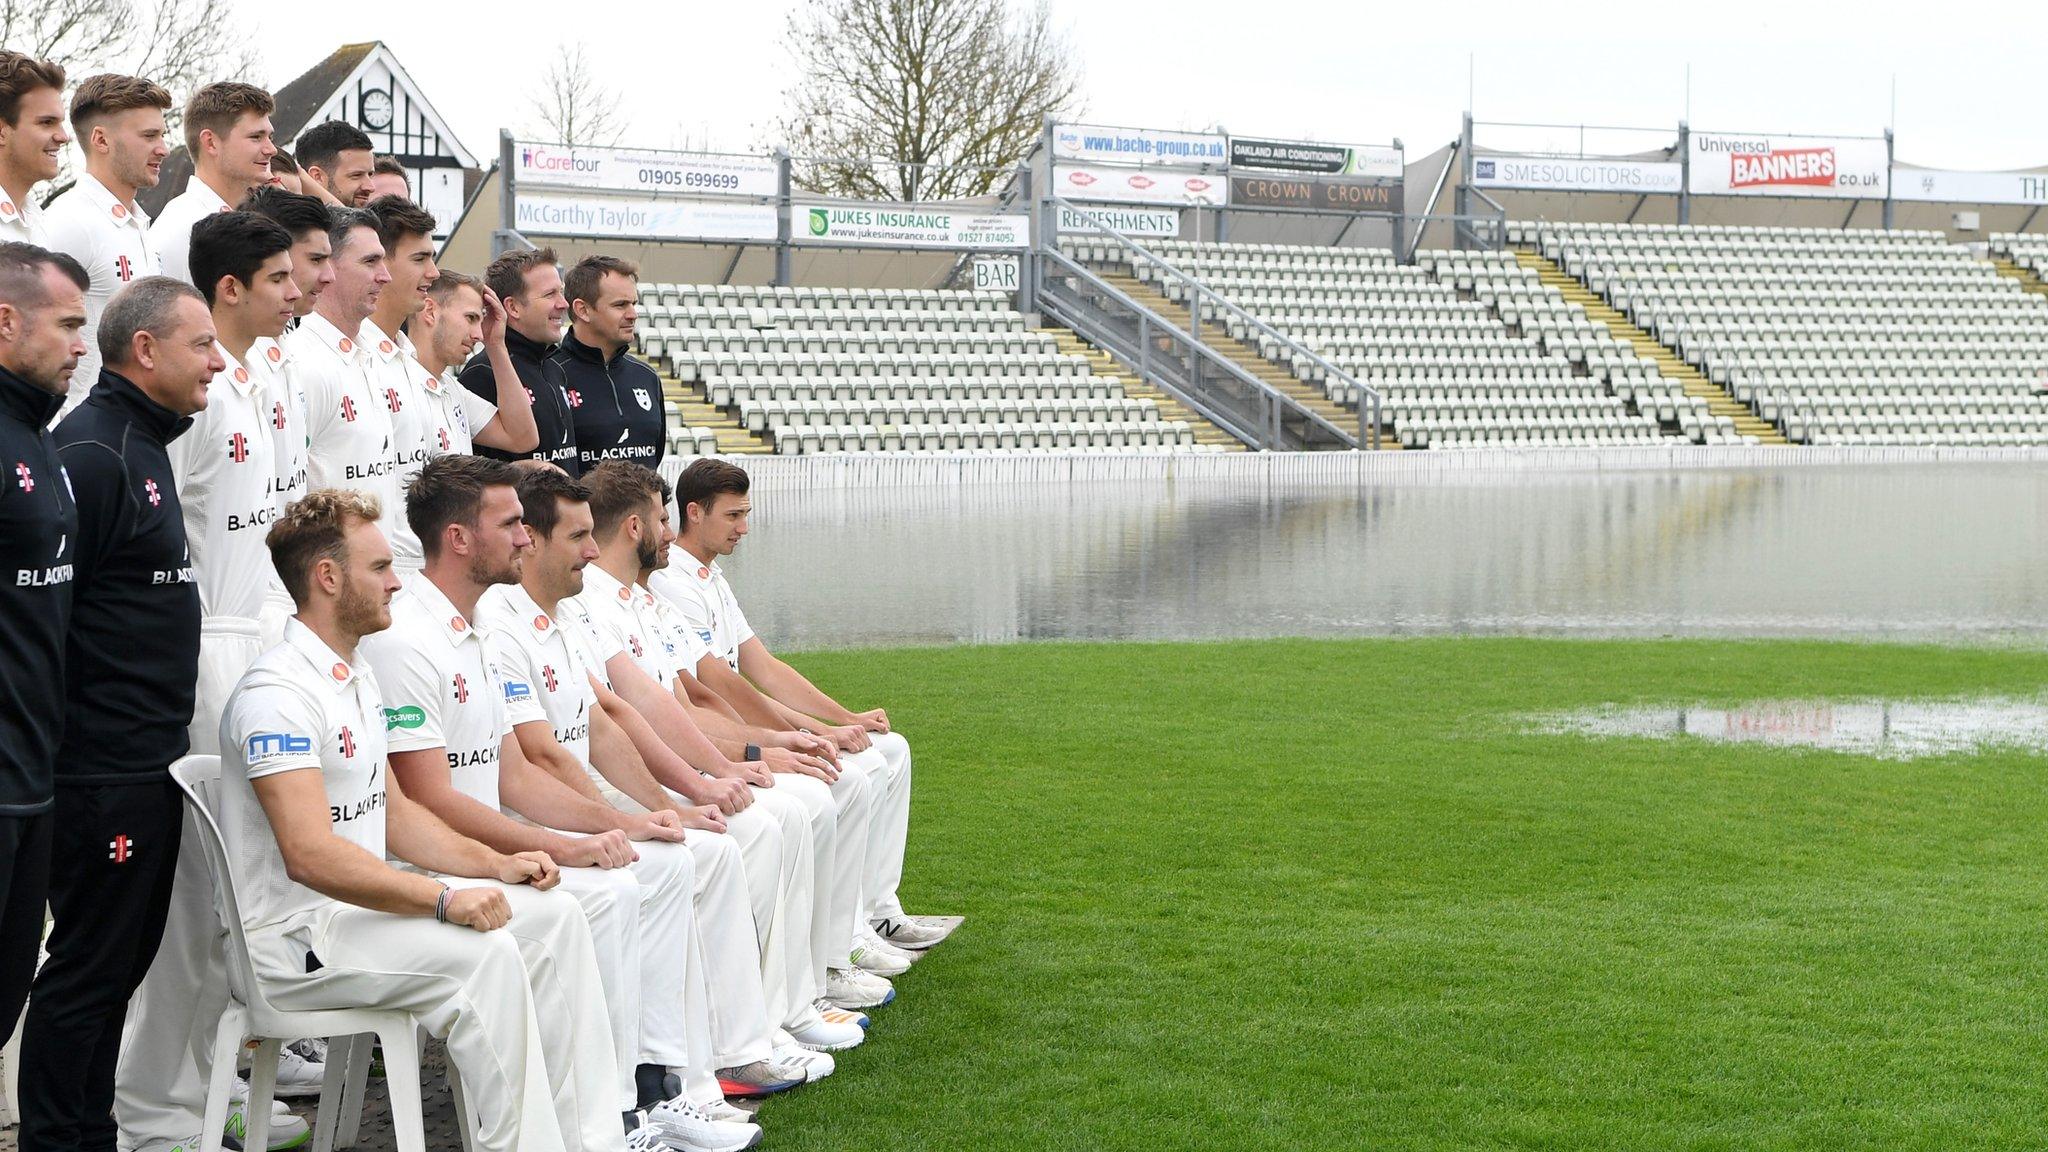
(249, 1015)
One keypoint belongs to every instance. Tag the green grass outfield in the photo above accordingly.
(1302, 894)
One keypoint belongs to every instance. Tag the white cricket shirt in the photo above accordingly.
(616, 627)
(172, 233)
(544, 664)
(706, 602)
(269, 362)
(112, 240)
(348, 422)
(24, 221)
(226, 468)
(434, 667)
(418, 430)
(300, 706)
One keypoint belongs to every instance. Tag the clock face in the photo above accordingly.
(376, 110)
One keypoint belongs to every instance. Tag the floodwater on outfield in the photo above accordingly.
(1889, 729)
(1944, 552)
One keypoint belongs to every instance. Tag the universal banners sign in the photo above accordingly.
(1129, 221)
(1548, 174)
(609, 216)
(1093, 144)
(1315, 159)
(1139, 185)
(1855, 168)
(626, 170)
(1338, 192)
(1969, 187)
(890, 226)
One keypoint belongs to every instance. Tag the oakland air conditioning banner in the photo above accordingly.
(1843, 168)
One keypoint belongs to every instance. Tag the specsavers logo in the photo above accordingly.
(410, 716)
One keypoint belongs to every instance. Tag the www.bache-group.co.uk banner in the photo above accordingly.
(1838, 167)
(1139, 165)
(906, 226)
(1300, 174)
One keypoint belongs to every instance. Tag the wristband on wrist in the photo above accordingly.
(753, 753)
(441, 904)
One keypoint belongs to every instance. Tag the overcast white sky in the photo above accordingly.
(1969, 74)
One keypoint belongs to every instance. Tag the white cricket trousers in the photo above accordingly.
(841, 815)
(641, 919)
(773, 837)
(891, 830)
(166, 1043)
(520, 1008)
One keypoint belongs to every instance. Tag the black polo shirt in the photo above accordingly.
(132, 656)
(544, 387)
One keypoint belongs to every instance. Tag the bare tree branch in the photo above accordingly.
(573, 107)
(921, 99)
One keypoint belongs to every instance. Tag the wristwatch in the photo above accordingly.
(753, 753)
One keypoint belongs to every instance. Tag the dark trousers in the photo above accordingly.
(24, 879)
(113, 855)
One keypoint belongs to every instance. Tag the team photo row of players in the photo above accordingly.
(497, 747)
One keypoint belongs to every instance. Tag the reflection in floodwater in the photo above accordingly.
(1948, 551)
(1892, 729)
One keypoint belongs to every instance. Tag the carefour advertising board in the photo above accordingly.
(1836, 167)
(630, 170)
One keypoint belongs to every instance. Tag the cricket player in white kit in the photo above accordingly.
(228, 136)
(306, 219)
(629, 507)
(119, 124)
(348, 420)
(32, 140)
(451, 748)
(489, 960)
(460, 314)
(712, 507)
(226, 469)
(550, 651)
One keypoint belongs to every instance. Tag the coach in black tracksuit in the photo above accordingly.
(530, 287)
(42, 311)
(614, 397)
(131, 661)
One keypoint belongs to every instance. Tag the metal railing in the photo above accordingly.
(1218, 388)
(1368, 397)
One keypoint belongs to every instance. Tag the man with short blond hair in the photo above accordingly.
(462, 314)
(32, 140)
(119, 123)
(228, 135)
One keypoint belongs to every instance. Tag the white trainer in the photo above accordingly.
(853, 988)
(907, 934)
(817, 1065)
(873, 939)
(683, 1126)
(726, 1110)
(822, 1036)
(838, 1015)
(286, 1129)
(873, 960)
(298, 1078)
